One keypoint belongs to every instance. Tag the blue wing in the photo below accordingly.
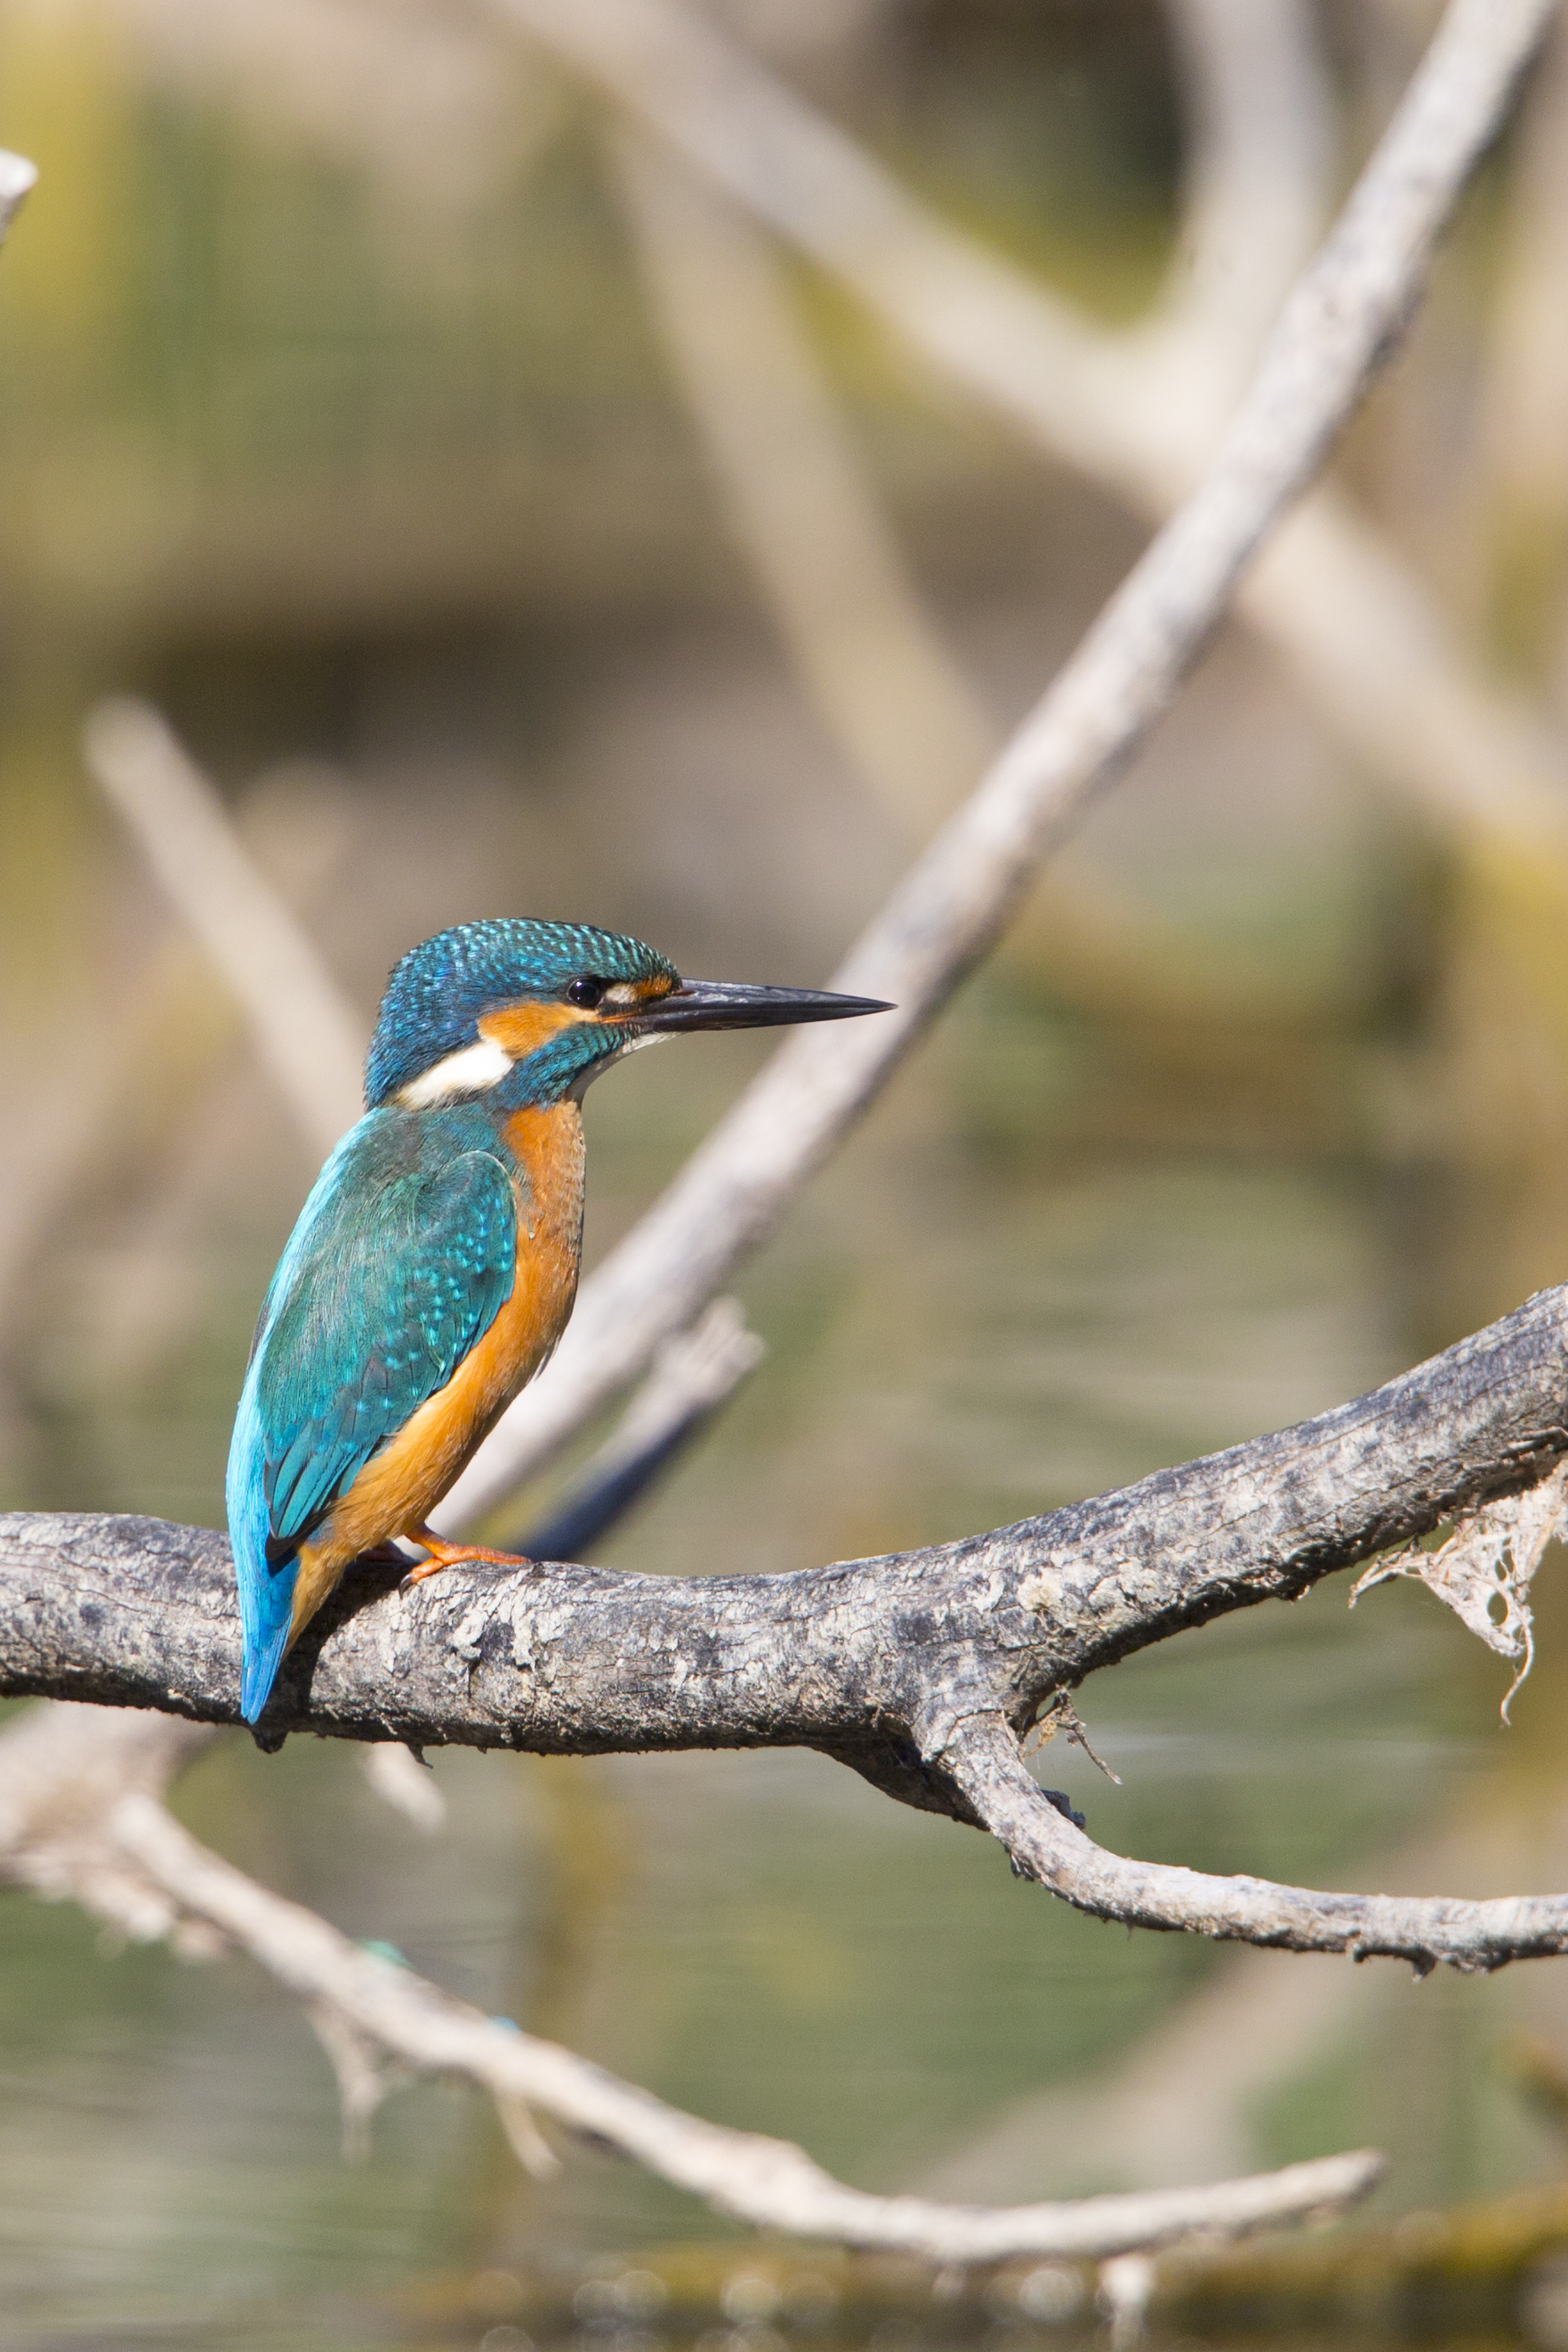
(402, 1259)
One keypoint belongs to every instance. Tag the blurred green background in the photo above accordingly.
(335, 415)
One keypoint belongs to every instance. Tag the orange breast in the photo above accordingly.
(397, 1490)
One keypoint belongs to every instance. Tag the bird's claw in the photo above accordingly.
(450, 1555)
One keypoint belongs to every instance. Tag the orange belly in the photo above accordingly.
(400, 1485)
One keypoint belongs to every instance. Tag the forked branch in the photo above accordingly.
(921, 1669)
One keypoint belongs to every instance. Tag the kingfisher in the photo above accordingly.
(435, 1264)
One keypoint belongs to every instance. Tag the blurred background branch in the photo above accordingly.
(1340, 321)
(310, 1043)
(1141, 412)
(337, 421)
(17, 180)
(80, 1815)
(828, 563)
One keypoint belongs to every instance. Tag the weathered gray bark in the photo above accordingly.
(920, 1669)
(871, 1659)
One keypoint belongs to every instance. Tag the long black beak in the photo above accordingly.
(734, 1004)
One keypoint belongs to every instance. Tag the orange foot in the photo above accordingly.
(450, 1555)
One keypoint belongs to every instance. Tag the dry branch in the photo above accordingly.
(920, 1670)
(306, 1031)
(1423, 1930)
(1133, 411)
(796, 497)
(1342, 320)
(80, 1815)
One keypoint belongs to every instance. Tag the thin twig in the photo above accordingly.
(692, 1378)
(81, 1814)
(303, 1030)
(766, 2183)
(1473, 1937)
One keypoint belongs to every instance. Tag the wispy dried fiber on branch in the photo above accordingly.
(1484, 1570)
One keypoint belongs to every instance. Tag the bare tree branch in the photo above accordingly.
(1344, 318)
(874, 1660)
(919, 1670)
(986, 1765)
(1110, 407)
(79, 1815)
(304, 1028)
(18, 178)
(794, 492)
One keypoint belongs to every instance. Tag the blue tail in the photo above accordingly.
(266, 1593)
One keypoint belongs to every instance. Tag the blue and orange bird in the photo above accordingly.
(434, 1264)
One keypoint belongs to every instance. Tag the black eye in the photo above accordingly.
(585, 991)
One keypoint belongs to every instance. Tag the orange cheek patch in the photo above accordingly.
(520, 1030)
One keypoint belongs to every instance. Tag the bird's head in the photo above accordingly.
(522, 1013)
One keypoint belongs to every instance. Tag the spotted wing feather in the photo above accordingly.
(386, 1300)
(403, 1258)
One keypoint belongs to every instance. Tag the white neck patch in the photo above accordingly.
(469, 1071)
